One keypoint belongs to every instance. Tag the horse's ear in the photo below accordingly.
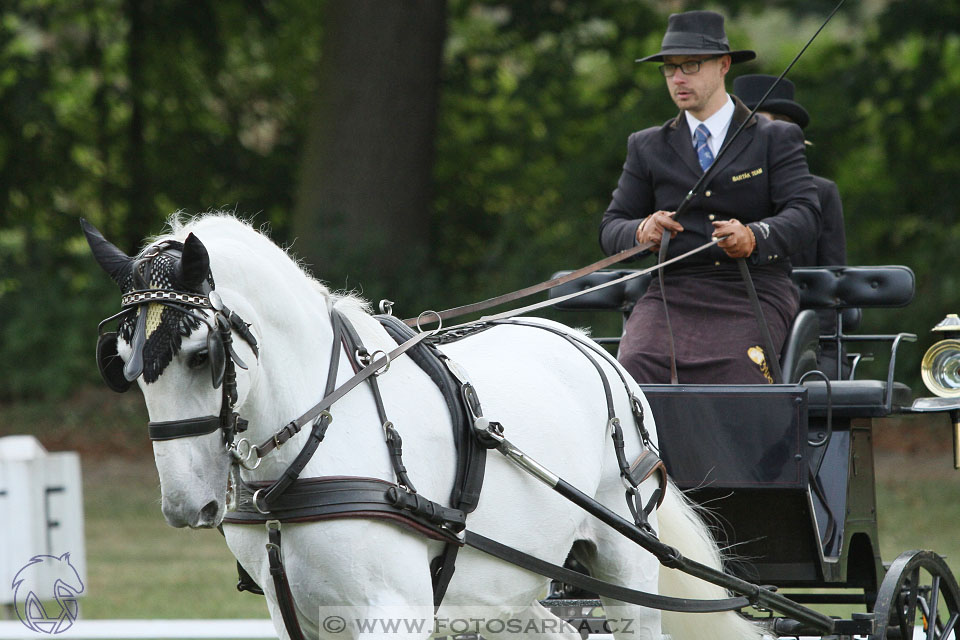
(194, 263)
(114, 261)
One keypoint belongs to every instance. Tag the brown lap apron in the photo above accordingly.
(715, 330)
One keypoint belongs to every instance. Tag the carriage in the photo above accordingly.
(266, 335)
(788, 469)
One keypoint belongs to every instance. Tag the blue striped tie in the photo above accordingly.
(703, 149)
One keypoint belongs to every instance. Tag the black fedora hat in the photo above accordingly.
(750, 88)
(697, 33)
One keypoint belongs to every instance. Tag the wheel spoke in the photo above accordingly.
(908, 610)
(933, 616)
(950, 626)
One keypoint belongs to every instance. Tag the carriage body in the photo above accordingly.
(788, 469)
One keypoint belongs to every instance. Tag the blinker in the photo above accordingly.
(134, 367)
(109, 362)
(217, 355)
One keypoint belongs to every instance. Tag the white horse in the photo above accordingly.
(546, 394)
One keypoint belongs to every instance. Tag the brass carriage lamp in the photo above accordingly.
(940, 367)
(940, 370)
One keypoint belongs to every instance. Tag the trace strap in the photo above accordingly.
(600, 587)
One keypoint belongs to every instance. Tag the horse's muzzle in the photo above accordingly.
(178, 514)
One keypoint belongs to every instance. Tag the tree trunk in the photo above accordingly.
(140, 216)
(363, 205)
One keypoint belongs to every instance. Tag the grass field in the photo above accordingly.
(138, 567)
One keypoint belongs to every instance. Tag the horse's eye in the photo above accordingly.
(198, 359)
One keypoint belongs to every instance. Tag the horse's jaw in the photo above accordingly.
(193, 480)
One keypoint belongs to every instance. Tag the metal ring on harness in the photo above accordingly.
(386, 356)
(243, 457)
(256, 502)
(428, 311)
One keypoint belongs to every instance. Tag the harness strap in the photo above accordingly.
(601, 587)
(319, 410)
(174, 429)
(648, 462)
(391, 435)
(324, 498)
(529, 291)
(317, 433)
(280, 583)
(464, 407)
(318, 498)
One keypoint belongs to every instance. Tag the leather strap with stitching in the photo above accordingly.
(529, 291)
(600, 587)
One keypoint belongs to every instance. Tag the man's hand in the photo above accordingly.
(651, 230)
(739, 241)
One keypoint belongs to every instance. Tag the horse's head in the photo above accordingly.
(176, 339)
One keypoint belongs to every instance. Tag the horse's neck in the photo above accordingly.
(295, 373)
(294, 359)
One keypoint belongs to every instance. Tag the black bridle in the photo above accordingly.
(222, 356)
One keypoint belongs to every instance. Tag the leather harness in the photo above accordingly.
(315, 499)
(291, 499)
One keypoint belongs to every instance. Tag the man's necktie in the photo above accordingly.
(703, 149)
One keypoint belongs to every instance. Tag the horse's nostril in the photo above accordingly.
(209, 512)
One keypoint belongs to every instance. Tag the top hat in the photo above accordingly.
(697, 33)
(750, 88)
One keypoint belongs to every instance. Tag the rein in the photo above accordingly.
(455, 312)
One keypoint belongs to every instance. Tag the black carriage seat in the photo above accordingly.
(841, 290)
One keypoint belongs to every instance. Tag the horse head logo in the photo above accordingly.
(37, 575)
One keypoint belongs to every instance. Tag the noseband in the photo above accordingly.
(222, 356)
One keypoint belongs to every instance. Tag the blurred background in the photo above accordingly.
(432, 152)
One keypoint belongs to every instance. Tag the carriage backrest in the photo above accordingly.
(835, 288)
(839, 290)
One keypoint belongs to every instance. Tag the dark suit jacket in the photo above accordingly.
(762, 180)
(831, 246)
(830, 249)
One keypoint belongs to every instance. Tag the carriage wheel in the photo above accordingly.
(918, 592)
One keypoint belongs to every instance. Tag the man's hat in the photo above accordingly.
(750, 88)
(697, 33)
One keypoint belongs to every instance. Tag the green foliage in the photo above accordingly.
(538, 100)
(123, 112)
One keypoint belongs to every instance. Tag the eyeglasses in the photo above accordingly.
(688, 68)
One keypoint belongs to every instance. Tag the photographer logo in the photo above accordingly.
(47, 574)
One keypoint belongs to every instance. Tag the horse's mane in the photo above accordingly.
(215, 226)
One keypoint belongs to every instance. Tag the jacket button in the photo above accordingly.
(708, 193)
(717, 263)
(711, 216)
